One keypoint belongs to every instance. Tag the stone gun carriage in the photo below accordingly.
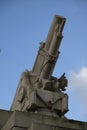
(38, 90)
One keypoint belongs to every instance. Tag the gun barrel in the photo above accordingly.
(58, 20)
(48, 51)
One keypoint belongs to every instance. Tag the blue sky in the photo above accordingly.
(25, 23)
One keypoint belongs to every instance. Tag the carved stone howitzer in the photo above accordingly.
(38, 90)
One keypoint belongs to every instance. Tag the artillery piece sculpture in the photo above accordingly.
(38, 91)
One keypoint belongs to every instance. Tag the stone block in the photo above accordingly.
(4, 116)
(16, 128)
(32, 121)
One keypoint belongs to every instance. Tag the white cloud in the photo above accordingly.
(79, 79)
(78, 92)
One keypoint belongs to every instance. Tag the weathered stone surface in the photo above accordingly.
(37, 89)
(32, 121)
(4, 116)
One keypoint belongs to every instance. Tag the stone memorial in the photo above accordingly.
(38, 90)
(40, 101)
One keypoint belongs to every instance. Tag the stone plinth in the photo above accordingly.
(4, 116)
(32, 121)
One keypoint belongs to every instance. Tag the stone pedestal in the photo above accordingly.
(32, 121)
